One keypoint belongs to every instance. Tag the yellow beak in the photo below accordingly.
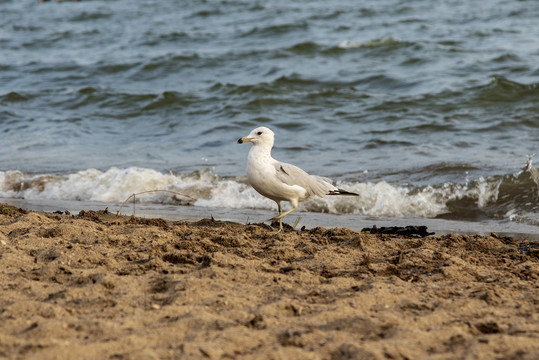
(243, 139)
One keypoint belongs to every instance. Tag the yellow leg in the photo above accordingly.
(282, 215)
(285, 213)
(280, 220)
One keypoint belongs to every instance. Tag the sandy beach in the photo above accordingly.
(95, 285)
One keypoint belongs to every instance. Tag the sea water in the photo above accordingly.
(428, 110)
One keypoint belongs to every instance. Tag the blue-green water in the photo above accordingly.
(427, 109)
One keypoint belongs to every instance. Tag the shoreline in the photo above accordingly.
(97, 285)
(310, 220)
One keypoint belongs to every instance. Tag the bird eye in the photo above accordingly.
(259, 133)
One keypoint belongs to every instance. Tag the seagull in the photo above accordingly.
(280, 181)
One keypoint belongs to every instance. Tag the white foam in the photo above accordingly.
(210, 190)
(113, 185)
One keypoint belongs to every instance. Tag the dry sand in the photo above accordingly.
(98, 286)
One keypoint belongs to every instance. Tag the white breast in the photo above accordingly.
(261, 174)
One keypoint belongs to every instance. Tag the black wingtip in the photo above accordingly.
(342, 192)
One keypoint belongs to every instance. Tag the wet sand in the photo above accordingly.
(99, 286)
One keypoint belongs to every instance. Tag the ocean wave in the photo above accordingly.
(154, 39)
(171, 100)
(501, 89)
(89, 97)
(497, 93)
(308, 47)
(13, 97)
(206, 13)
(312, 88)
(120, 103)
(511, 197)
(170, 62)
(387, 41)
(98, 14)
(276, 30)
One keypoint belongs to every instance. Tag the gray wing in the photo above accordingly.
(293, 175)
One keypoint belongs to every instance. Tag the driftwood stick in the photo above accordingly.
(134, 196)
(296, 222)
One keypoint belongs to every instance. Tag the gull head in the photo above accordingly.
(259, 136)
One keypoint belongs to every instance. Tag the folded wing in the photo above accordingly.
(315, 185)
